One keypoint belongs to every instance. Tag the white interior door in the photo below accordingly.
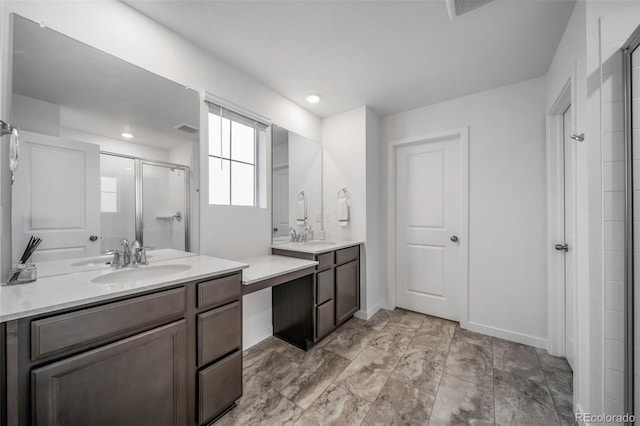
(569, 235)
(428, 258)
(56, 196)
(281, 202)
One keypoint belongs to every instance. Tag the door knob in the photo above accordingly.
(454, 238)
(93, 238)
(562, 247)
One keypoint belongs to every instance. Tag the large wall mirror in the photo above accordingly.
(107, 150)
(297, 185)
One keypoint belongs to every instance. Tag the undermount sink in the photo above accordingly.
(140, 273)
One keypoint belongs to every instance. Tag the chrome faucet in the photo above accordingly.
(133, 254)
(293, 234)
(126, 252)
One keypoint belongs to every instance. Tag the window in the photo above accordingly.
(109, 194)
(236, 158)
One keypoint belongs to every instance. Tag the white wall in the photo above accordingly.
(376, 237)
(117, 29)
(344, 144)
(507, 199)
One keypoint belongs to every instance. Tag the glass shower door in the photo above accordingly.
(164, 206)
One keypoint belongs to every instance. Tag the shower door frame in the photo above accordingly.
(138, 193)
(628, 48)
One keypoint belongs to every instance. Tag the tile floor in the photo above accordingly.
(403, 368)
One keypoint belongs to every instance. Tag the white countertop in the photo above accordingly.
(316, 246)
(265, 267)
(64, 291)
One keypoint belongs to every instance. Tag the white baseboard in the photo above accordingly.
(257, 337)
(513, 336)
(366, 315)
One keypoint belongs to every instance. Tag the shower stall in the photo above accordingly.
(144, 200)
(631, 77)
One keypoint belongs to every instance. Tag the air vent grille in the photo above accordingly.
(458, 8)
(187, 128)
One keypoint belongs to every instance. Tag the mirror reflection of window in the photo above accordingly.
(109, 194)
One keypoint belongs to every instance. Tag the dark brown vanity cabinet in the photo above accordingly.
(333, 299)
(168, 357)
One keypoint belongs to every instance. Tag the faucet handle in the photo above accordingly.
(116, 263)
(143, 256)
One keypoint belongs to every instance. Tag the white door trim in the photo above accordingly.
(463, 291)
(555, 219)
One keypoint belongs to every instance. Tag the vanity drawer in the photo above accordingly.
(325, 261)
(219, 386)
(325, 319)
(347, 255)
(66, 332)
(325, 286)
(219, 332)
(215, 292)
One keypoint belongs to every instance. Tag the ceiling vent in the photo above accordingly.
(187, 128)
(457, 8)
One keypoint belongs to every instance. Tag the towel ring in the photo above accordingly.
(343, 191)
(301, 195)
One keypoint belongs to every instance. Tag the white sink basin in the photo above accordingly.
(140, 273)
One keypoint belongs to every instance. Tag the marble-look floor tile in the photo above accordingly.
(261, 350)
(462, 403)
(552, 363)
(434, 335)
(367, 374)
(421, 368)
(522, 401)
(517, 359)
(273, 368)
(270, 408)
(473, 337)
(306, 387)
(400, 404)
(335, 407)
(379, 320)
(408, 318)
(469, 361)
(560, 384)
(394, 338)
(350, 340)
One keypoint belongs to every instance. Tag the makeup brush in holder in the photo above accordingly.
(25, 272)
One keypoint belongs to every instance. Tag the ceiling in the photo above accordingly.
(98, 93)
(390, 55)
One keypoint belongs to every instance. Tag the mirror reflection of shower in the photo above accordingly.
(144, 200)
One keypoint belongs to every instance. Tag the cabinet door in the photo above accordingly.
(135, 381)
(219, 386)
(347, 290)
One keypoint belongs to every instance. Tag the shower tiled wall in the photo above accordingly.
(613, 186)
(614, 31)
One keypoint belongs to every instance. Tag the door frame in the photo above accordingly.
(463, 287)
(556, 301)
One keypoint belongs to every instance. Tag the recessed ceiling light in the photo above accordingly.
(127, 135)
(313, 99)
